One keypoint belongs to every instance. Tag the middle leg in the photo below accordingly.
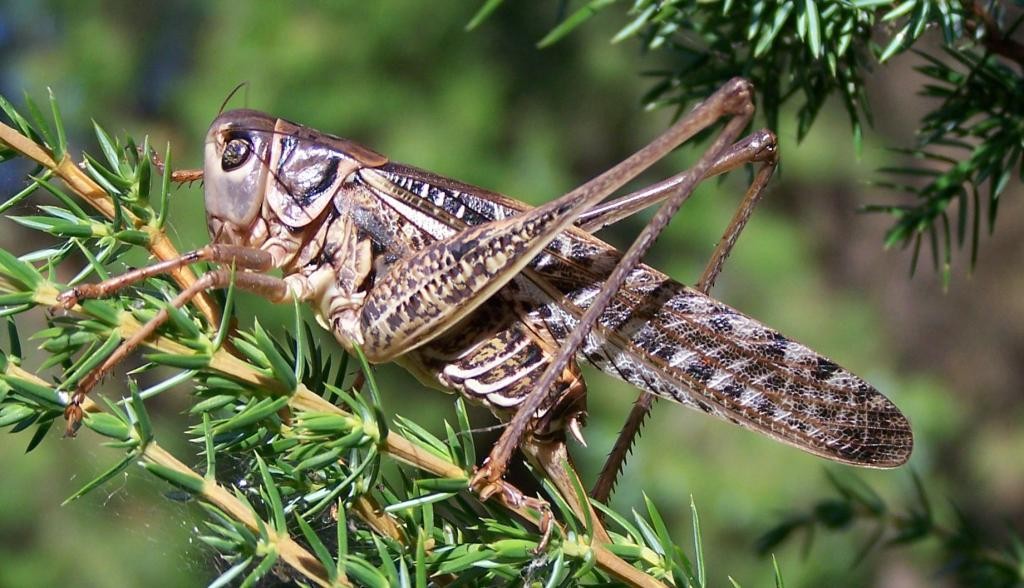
(273, 288)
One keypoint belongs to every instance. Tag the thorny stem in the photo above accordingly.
(395, 445)
(227, 363)
(291, 552)
(160, 245)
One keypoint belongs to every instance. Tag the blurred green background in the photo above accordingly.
(488, 108)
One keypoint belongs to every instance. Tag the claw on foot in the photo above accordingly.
(487, 482)
(547, 524)
(68, 300)
(73, 414)
(575, 429)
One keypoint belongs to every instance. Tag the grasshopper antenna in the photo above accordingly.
(193, 175)
(231, 95)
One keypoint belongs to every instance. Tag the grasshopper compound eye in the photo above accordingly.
(236, 152)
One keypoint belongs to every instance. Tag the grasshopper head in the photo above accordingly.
(257, 163)
(235, 173)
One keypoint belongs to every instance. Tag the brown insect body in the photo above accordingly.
(453, 282)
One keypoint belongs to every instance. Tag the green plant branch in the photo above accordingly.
(293, 553)
(302, 399)
(149, 451)
(159, 244)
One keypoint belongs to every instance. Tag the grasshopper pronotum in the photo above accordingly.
(475, 292)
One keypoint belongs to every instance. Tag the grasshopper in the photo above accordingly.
(478, 293)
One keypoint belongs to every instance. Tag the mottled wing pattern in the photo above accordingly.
(675, 342)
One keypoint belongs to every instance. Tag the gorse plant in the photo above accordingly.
(804, 51)
(291, 442)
